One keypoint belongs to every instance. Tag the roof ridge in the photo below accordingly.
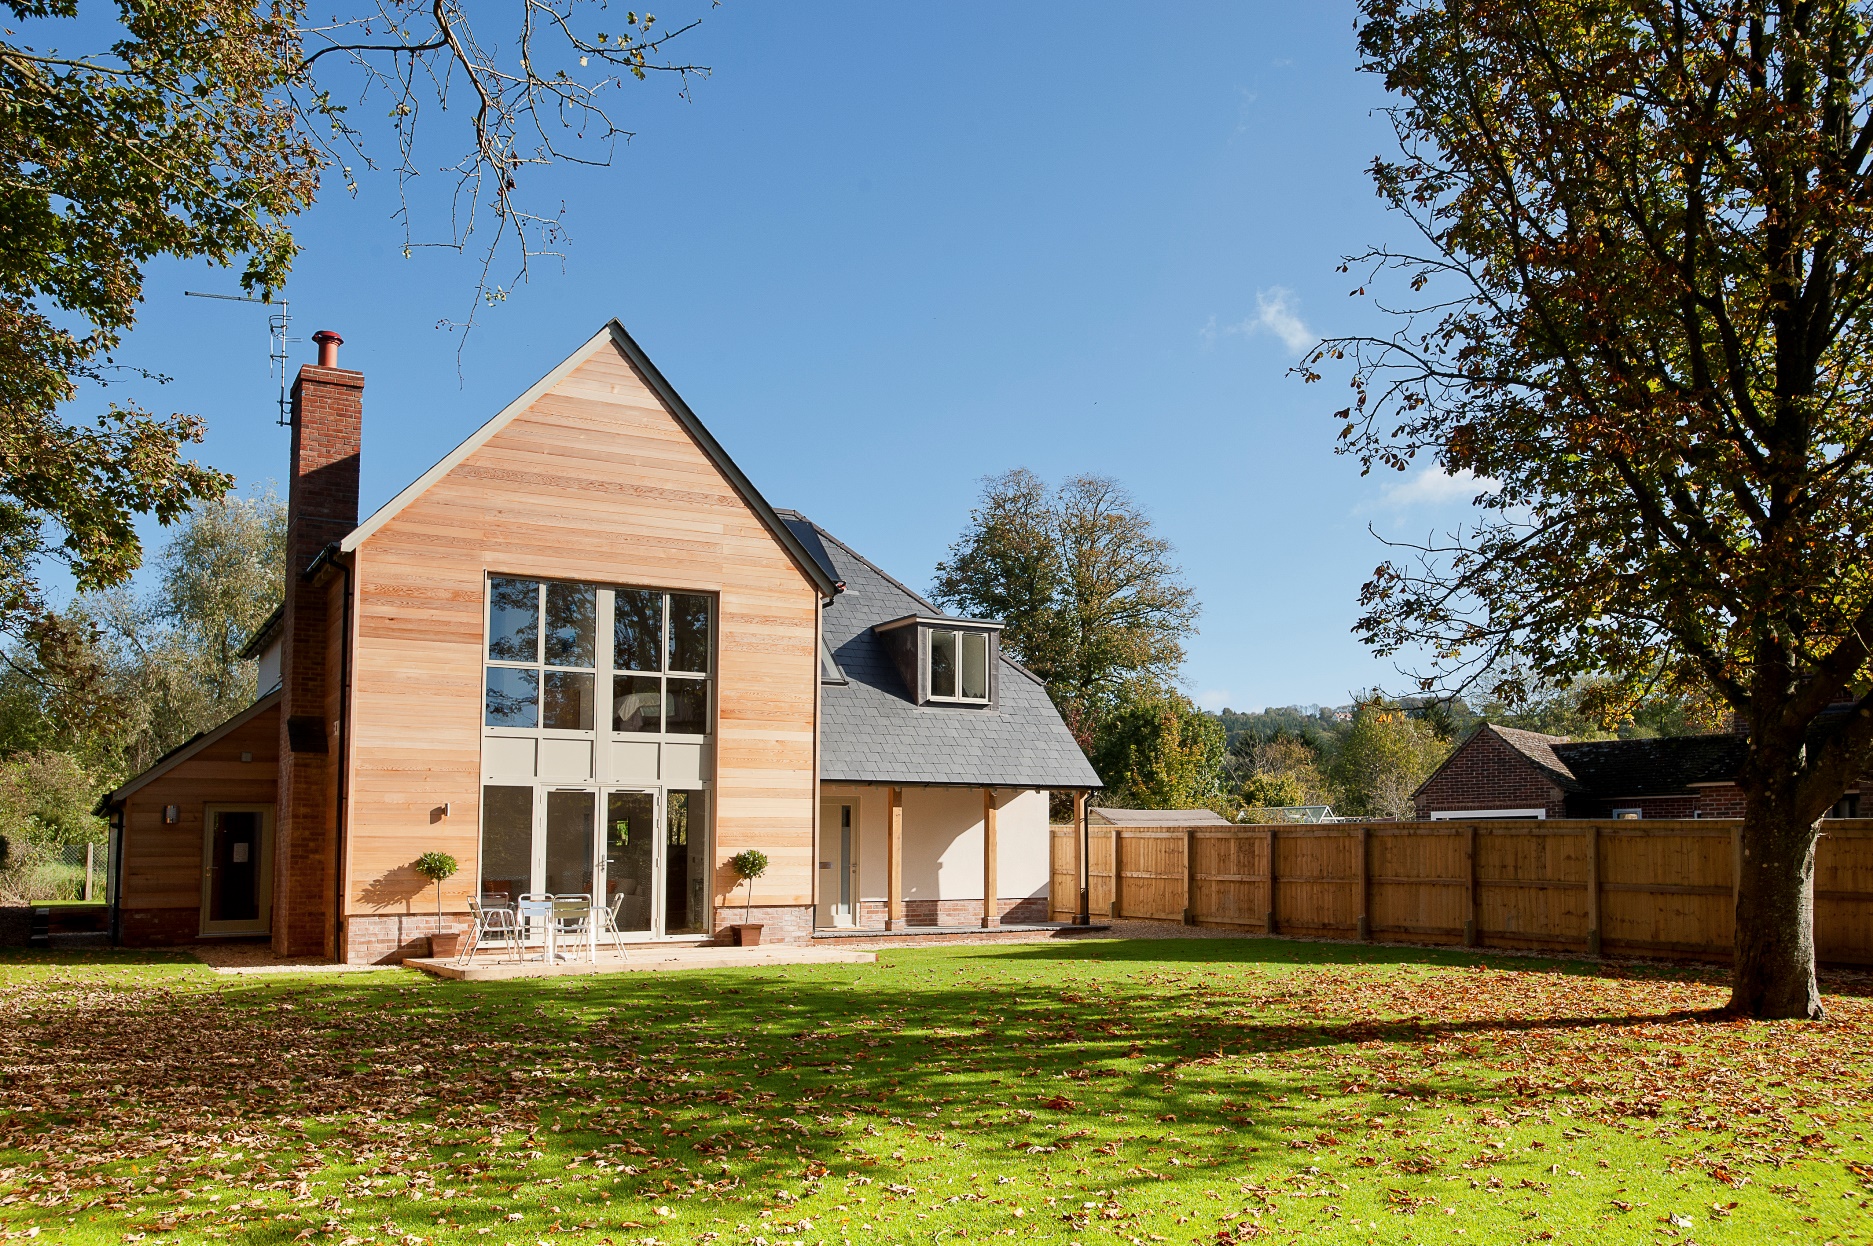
(886, 576)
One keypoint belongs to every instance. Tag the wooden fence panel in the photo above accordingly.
(1317, 881)
(1099, 872)
(1152, 864)
(1843, 881)
(1654, 887)
(1232, 879)
(1063, 890)
(1531, 885)
(1667, 887)
(1416, 875)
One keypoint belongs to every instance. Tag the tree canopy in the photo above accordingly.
(197, 129)
(1639, 315)
(1092, 600)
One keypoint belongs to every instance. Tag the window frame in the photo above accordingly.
(927, 656)
(604, 671)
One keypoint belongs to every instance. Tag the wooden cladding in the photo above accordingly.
(1615, 887)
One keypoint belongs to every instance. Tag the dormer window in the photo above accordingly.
(943, 661)
(959, 666)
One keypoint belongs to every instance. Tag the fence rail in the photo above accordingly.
(1619, 887)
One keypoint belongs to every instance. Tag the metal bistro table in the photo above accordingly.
(557, 915)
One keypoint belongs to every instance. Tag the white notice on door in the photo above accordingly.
(240, 854)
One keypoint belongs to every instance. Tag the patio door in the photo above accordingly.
(631, 857)
(237, 869)
(646, 848)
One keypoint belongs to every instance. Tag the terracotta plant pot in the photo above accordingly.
(747, 935)
(443, 946)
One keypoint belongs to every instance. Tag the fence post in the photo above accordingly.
(90, 849)
(1116, 873)
(1190, 876)
(1593, 891)
(1272, 926)
(1471, 935)
(1365, 884)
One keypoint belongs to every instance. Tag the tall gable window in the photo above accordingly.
(541, 653)
(660, 649)
(547, 659)
(943, 661)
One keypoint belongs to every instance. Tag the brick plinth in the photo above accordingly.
(322, 507)
(388, 938)
(159, 927)
(780, 923)
(1014, 910)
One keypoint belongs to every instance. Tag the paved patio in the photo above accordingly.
(640, 958)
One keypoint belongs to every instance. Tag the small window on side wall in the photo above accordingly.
(959, 666)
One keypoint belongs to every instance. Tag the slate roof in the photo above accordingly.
(1655, 767)
(875, 733)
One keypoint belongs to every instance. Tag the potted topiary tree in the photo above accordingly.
(748, 866)
(437, 867)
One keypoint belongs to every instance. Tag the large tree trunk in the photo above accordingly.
(1774, 973)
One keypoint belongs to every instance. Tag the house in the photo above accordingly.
(1503, 772)
(582, 654)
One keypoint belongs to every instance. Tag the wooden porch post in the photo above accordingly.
(991, 884)
(894, 863)
(1083, 867)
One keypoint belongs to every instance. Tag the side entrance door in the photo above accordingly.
(237, 869)
(838, 862)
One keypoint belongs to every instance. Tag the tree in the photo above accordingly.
(199, 133)
(1643, 309)
(1381, 760)
(1092, 601)
(1158, 751)
(175, 652)
(1278, 772)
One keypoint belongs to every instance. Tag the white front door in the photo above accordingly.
(838, 864)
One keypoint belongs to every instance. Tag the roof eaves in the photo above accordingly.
(263, 635)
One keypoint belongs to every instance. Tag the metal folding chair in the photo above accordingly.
(572, 915)
(607, 917)
(494, 923)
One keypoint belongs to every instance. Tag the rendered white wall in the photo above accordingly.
(943, 840)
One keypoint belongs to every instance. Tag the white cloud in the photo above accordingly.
(1432, 486)
(1275, 313)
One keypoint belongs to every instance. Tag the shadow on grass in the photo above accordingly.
(1022, 1054)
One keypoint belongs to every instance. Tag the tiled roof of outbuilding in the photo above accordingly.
(1664, 765)
(875, 733)
(1540, 750)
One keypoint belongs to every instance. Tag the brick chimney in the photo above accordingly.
(321, 508)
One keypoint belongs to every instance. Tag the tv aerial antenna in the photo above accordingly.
(278, 323)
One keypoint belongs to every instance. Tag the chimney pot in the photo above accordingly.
(329, 343)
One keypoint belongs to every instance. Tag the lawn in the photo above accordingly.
(1181, 1091)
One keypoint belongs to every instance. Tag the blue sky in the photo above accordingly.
(884, 250)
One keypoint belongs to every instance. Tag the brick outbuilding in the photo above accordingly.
(1504, 772)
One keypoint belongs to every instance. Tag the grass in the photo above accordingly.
(1182, 1091)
